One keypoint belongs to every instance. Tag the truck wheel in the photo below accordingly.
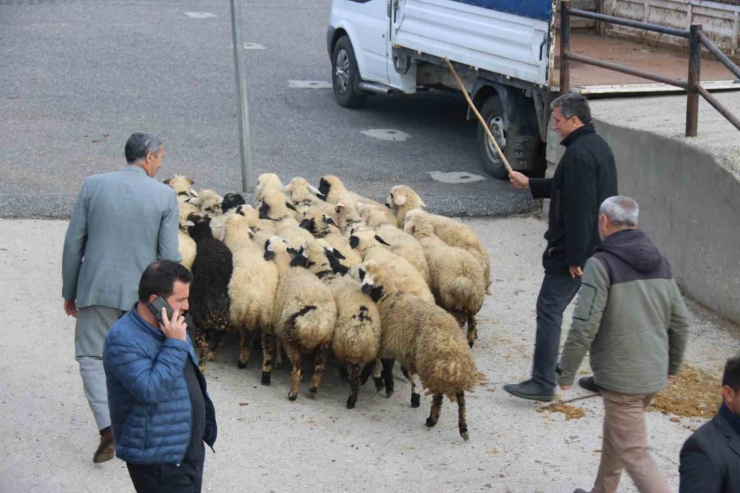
(345, 75)
(493, 114)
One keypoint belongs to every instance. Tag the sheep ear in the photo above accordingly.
(306, 224)
(269, 255)
(193, 201)
(239, 209)
(291, 206)
(399, 199)
(331, 221)
(193, 193)
(354, 241)
(250, 232)
(361, 273)
(188, 223)
(367, 288)
(192, 182)
(167, 181)
(299, 261)
(409, 228)
(314, 190)
(421, 203)
(220, 200)
(293, 251)
(381, 240)
(337, 254)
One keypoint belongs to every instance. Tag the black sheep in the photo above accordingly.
(209, 291)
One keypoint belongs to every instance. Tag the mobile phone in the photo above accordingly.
(156, 308)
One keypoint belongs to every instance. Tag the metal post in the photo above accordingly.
(564, 47)
(241, 96)
(692, 102)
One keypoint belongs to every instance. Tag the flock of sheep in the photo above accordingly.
(319, 270)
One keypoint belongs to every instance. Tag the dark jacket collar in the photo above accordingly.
(144, 325)
(577, 134)
(730, 417)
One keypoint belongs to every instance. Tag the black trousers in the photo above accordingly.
(556, 293)
(170, 478)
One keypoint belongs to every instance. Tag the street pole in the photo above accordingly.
(245, 146)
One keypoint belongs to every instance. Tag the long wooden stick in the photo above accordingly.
(480, 118)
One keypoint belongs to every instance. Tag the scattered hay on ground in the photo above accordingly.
(693, 393)
(570, 412)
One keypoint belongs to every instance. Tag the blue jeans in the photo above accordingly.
(556, 293)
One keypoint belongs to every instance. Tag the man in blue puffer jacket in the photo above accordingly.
(160, 411)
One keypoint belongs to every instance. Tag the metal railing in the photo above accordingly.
(692, 85)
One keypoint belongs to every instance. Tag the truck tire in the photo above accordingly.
(493, 114)
(345, 75)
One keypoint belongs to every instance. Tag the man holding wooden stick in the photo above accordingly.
(585, 176)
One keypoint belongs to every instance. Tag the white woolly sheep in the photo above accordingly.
(457, 280)
(185, 244)
(208, 202)
(323, 227)
(332, 188)
(276, 207)
(305, 196)
(267, 183)
(403, 200)
(251, 290)
(305, 313)
(405, 245)
(425, 339)
(182, 186)
(375, 215)
(406, 276)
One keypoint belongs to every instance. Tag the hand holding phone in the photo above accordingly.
(172, 323)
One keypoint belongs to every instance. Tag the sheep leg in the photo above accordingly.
(436, 410)
(245, 347)
(278, 353)
(460, 317)
(415, 396)
(388, 375)
(461, 419)
(268, 346)
(354, 385)
(294, 354)
(218, 338)
(201, 343)
(472, 329)
(366, 372)
(378, 375)
(318, 369)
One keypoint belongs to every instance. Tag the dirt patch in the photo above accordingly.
(570, 412)
(693, 393)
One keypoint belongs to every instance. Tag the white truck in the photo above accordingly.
(505, 52)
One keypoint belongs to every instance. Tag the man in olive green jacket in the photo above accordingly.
(631, 317)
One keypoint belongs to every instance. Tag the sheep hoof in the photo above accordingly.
(389, 393)
(292, 396)
(431, 423)
(464, 434)
(241, 365)
(351, 403)
(379, 385)
(415, 400)
(266, 376)
(314, 390)
(470, 343)
(211, 356)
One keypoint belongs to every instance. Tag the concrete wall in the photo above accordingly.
(689, 206)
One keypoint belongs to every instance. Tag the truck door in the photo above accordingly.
(401, 73)
(370, 20)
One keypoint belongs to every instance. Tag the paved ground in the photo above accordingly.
(268, 444)
(80, 76)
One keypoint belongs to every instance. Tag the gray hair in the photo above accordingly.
(140, 144)
(573, 105)
(622, 211)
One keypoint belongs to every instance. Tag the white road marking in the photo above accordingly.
(455, 177)
(253, 46)
(309, 84)
(386, 134)
(200, 15)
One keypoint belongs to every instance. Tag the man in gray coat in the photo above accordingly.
(122, 222)
(632, 319)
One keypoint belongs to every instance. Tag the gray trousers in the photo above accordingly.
(93, 323)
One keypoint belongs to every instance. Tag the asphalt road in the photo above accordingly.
(79, 76)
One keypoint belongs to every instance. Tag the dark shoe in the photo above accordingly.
(579, 490)
(106, 449)
(589, 384)
(530, 390)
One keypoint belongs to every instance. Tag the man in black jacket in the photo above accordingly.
(584, 178)
(710, 458)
